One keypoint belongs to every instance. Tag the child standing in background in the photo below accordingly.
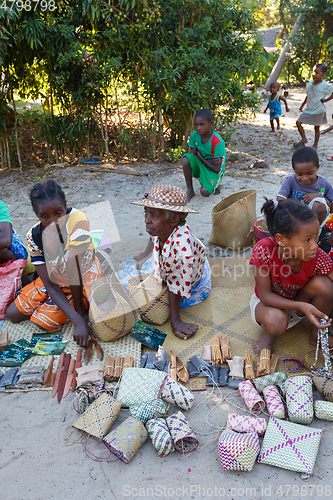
(206, 159)
(274, 105)
(315, 112)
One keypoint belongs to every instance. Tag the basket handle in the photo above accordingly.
(107, 258)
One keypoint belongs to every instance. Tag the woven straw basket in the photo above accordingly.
(110, 313)
(150, 298)
(260, 230)
(232, 220)
(99, 417)
(324, 386)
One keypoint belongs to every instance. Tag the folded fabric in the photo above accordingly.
(31, 370)
(243, 423)
(99, 416)
(173, 392)
(150, 360)
(139, 385)
(126, 440)
(192, 371)
(218, 375)
(290, 446)
(199, 363)
(9, 379)
(251, 397)
(274, 402)
(161, 359)
(234, 383)
(143, 360)
(299, 399)
(236, 365)
(324, 410)
(160, 436)
(146, 411)
(272, 379)
(238, 451)
(182, 433)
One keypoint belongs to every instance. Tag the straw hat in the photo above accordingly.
(166, 197)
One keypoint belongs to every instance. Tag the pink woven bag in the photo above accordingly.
(242, 423)
(251, 397)
(274, 402)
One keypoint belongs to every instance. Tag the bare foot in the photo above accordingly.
(313, 339)
(299, 143)
(314, 146)
(265, 341)
(184, 330)
(217, 190)
(190, 193)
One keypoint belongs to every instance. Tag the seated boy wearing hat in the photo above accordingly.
(179, 257)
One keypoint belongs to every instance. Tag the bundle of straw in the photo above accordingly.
(264, 362)
(128, 362)
(225, 347)
(249, 371)
(216, 352)
(109, 369)
(274, 361)
(118, 368)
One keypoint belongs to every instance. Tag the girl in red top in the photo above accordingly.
(293, 276)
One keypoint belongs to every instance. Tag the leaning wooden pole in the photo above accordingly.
(276, 71)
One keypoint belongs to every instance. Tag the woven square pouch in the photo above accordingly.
(299, 399)
(182, 433)
(99, 416)
(290, 446)
(238, 451)
(160, 436)
(272, 379)
(150, 298)
(250, 397)
(274, 402)
(324, 386)
(139, 385)
(324, 410)
(173, 392)
(125, 441)
(154, 409)
(243, 423)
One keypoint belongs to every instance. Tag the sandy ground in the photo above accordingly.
(34, 461)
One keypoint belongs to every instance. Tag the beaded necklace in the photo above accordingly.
(322, 340)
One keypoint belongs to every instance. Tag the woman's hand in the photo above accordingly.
(313, 314)
(81, 333)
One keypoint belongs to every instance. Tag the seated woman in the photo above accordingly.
(63, 254)
(179, 258)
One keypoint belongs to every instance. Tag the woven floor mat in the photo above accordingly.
(121, 347)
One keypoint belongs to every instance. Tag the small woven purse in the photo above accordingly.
(238, 451)
(160, 436)
(182, 433)
(173, 392)
(324, 386)
(139, 385)
(274, 402)
(272, 379)
(243, 423)
(299, 399)
(125, 441)
(146, 411)
(99, 416)
(324, 410)
(150, 298)
(250, 397)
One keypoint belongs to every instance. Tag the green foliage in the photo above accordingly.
(175, 154)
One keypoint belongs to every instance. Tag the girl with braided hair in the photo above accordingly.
(293, 276)
(62, 251)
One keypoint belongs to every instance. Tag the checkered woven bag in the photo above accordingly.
(99, 416)
(238, 451)
(173, 392)
(290, 446)
(160, 436)
(324, 410)
(272, 379)
(125, 441)
(299, 399)
(150, 298)
(250, 397)
(146, 411)
(182, 433)
(139, 385)
(243, 423)
(274, 402)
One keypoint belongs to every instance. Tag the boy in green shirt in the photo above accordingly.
(206, 159)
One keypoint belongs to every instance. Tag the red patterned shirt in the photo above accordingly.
(265, 255)
(181, 261)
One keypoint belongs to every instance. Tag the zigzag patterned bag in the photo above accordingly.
(243, 423)
(299, 399)
(238, 451)
(182, 433)
(274, 402)
(173, 392)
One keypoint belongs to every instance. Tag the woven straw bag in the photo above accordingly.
(238, 451)
(160, 436)
(150, 298)
(324, 386)
(232, 221)
(146, 411)
(139, 385)
(184, 439)
(243, 423)
(260, 230)
(324, 410)
(299, 399)
(111, 313)
(271, 379)
(125, 441)
(99, 416)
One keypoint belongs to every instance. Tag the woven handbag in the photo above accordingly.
(310, 357)
(243, 423)
(139, 385)
(324, 410)
(260, 230)
(272, 379)
(251, 397)
(238, 451)
(173, 392)
(182, 433)
(125, 441)
(232, 221)
(324, 386)
(146, 411)
(274, 402)
(160, 436)
(150, 298)
(99, 416)
(299, 399)
(290, 446)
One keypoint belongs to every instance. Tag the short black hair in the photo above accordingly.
(205, 113)
(287, 216)
(46, 190)
(305, 155)
(275, 83)
(322, 66)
